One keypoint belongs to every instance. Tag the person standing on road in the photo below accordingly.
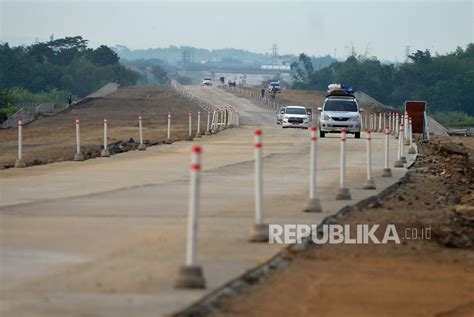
(69, 99)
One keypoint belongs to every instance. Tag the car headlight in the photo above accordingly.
(355, 118)
(325, 117)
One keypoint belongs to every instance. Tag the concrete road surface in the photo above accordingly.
(105, 237)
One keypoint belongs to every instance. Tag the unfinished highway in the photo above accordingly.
(106, 237)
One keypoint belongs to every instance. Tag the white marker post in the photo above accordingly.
(190, 132)
(190, 275)
(407, 130)
(260, 229)
(390, 121)
(105, 152)
(399, 161)
(402, 149)
(313, 204)
(214, 122)
(411, 150)
(369, 183)
(379, 129)
(168, 131)
(141, 146)
(20, 162)
(78, 156)
(384, 122)
(387, 172)
(397, 125)
(208, 127)
(343, 192)
(405, 124)
(198, 132)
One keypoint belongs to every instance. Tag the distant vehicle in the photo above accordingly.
(280, 114)
(340, 111)
(295, 117)
(206, 81)
(274, 88)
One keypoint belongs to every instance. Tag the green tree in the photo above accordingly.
(102, 56)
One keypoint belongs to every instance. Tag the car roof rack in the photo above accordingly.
(339, 94)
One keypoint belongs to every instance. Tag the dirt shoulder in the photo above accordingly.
(424, 277)
(52, 139)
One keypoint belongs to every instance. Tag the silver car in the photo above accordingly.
(280, 114)
(340, 112)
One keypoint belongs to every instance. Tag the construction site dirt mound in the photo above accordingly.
(52, 139)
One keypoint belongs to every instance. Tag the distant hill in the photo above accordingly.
(173, 55)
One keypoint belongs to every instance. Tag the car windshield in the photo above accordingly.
(340, 105)
(295, 111)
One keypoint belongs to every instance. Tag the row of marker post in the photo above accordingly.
(218, 119)
(191, 275)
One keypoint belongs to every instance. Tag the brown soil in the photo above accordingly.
(424, 277)
(52, 139)
(314, 99)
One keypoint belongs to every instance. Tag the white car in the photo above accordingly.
(280, 114)
(340, 112)
(295, 117)
(206, 81)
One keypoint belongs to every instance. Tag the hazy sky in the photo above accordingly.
(383, 28)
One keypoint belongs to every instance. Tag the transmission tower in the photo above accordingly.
(185, 58)
(274, 54)
(407, 52)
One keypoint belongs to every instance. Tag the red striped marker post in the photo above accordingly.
(78, 156)
(402, 149)
(406, 135)
(386, 172)
(313, 204)
(405, 124)
(397, 125)
(168, 130)
(260, 229)
(105, 152)
(343, 192)
(389, 121)
(198, 132)
(208, 127)
(399, 161)
(190, 275)
(384, 122)
(190, 133)
(411, 150)
(369, 183)
(141, 147)
(214, 124)
(20, 162)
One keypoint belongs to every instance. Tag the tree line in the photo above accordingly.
(446, 82)
(65, 64)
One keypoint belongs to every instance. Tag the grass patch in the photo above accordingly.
(454, 119)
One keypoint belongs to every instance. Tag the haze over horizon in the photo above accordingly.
(383, 29)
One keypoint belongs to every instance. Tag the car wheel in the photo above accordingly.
(357, 135)
(322, 134)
